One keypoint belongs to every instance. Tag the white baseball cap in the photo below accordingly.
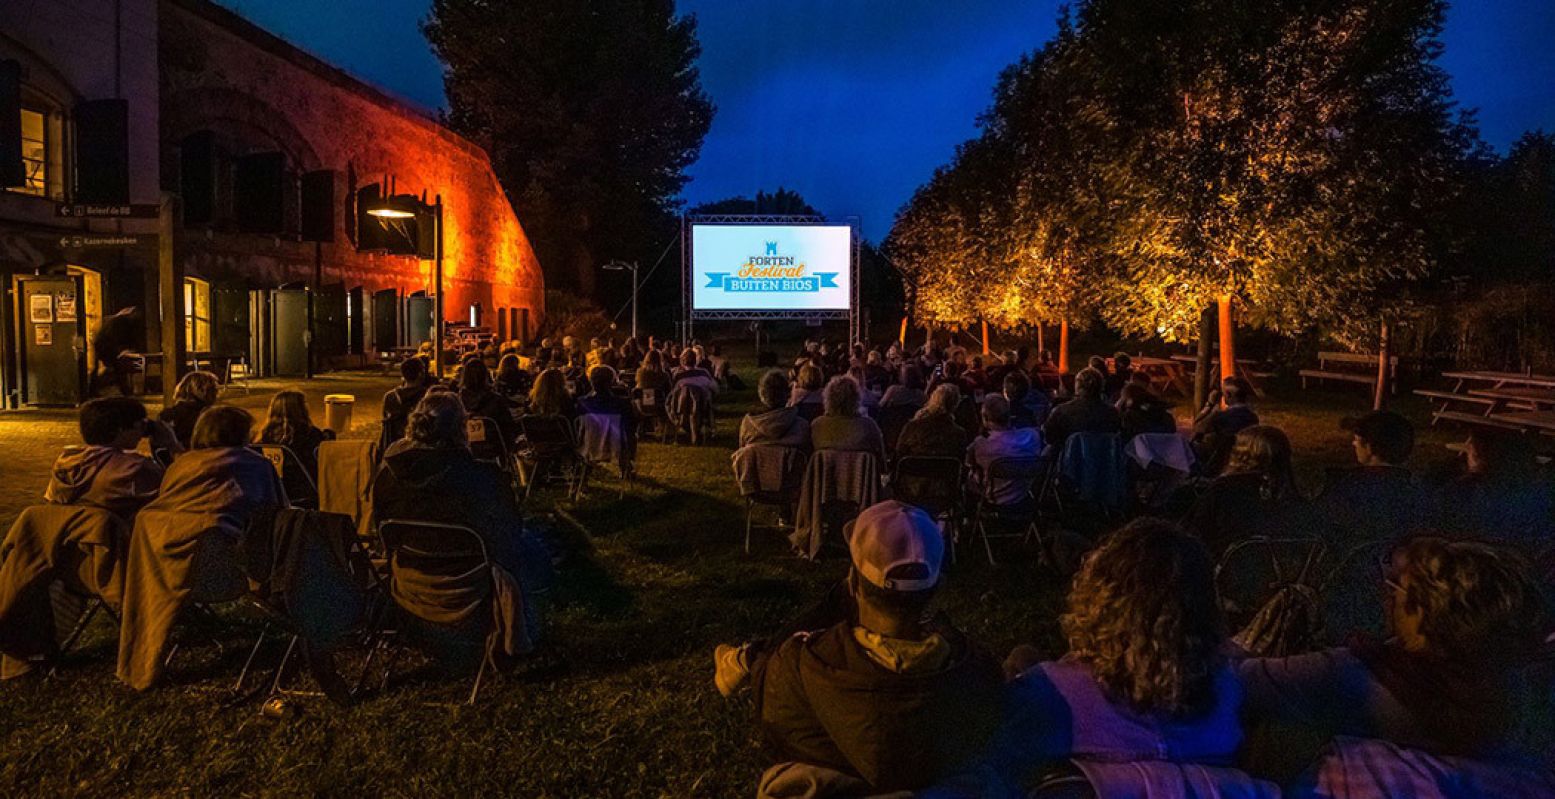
(892, 534)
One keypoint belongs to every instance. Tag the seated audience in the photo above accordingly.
(1145, 680)
(603, 399)
(777, 422)
(1029, 406)
(105, 471)
(195, 392)
(1001, 442)
(219, 473)
(549, 396)
(1122, 373)
(1088, 412)
(290, 425)
(1379, 499)
(691, 370)
(435, 478)
(1215, 428)
(843, 426)
(513, 381)
(402, 399)
(1500, 495)
(862, 690)
(1255, 495)
(933, 431)
(1141, 411)
(652, 377)
(480, 400)
(908, 391)
(807, 387)
(1463, 621)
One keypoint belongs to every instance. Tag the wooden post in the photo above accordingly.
(170, 282)
(1040, 345)
(901, 338)
(1063, 347)
(1201, 376)
(1227, 339)
(1384, 356)
(985, 336)
(928, 338)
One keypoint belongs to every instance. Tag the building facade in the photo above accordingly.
(271, 157)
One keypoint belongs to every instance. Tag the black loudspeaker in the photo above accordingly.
(426, 234)
(197, 177)
(259, 193)
(103, 152)
(12, 172)
(318, 206)
(370, 233)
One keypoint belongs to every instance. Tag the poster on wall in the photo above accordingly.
(40, 309)
(43, 335)
(65, 306)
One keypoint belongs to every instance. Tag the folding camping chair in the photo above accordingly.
(933, 483)
(301, 490)
(837, 486)
(655, 413)
(548, 450)
(602, 439)
(449, 552)
(1091, 470)
(1252, 570)
(755, 467)
(1019, 514)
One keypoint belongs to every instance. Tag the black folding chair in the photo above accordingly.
(1252, 570)
(443, 550)
(934, 484)
(594, 430)
(1018, 514)
(651, 405)
(301, 490)
(892, 420)
(790, 468)
(547, 450)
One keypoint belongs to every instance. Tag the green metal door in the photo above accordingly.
(52, 332)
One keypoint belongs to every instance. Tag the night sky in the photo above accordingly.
(853, 103)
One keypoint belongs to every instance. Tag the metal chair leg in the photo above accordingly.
(749, 508)
(247, 664)
(480, 674)
(86, 618)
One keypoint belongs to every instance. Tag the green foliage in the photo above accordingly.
(591, 111)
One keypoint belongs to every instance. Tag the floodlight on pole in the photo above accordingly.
(623, 266)
(409, 206)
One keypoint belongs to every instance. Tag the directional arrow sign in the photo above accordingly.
(89, 240)
(96, 211)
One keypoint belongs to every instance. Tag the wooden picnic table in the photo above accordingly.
(1500, 379)
(1246, 368)
(1164, 373)
(1535, 397)
(1543, 421)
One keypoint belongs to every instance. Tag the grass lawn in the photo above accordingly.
(620, 702)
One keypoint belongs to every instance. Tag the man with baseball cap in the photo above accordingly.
(880, 698)
(1380, 499)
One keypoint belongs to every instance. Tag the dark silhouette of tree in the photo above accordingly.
(591, 111)
(782, 201)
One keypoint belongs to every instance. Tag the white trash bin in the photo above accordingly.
(337, 412)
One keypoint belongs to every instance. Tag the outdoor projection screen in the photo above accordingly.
(800, 269)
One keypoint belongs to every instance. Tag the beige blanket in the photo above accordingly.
(346, 470)
(81, 546)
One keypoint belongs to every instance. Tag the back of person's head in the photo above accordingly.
(602, 380)
(287, 417)
(475, 377)
(654, 361)
(912, 376)
(413, 370)
(105, 419)
(1236, 391)
(1264, 450)
(508, 367)
(772, 390)
(438, 422)
(996, 412)
(810, 377)
(549, 393)
(688, 358)
(1016, 386)
(1501, 454)
(841, 397)
(1098, 363)
(1122, 360)
(197, 386)
(1137, 396)
(897, 551)
(1473, 604)
(1389, 436)
(222, 426)
(1143, 615)
(1089, 383)
(945, 398)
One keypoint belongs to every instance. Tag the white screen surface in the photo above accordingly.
(771, 267)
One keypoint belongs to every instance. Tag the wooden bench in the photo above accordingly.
(1461, 448)
(1476, 419)
(1342, 366)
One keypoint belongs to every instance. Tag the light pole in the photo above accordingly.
(400, 207)
(622, 266)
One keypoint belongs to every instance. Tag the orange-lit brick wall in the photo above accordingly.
(258, 93)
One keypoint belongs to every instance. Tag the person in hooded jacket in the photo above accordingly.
(777, 422)
(869, 689)
(480, 400)
(1001, 442)
(105, 471)
(431, 476)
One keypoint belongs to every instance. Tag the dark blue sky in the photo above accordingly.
(853, 103)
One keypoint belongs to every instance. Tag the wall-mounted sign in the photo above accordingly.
(91, 211)
(40, 309)
(43, 335)
(87, 240)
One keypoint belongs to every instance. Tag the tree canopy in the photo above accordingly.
(591, 111)
(1155, 157)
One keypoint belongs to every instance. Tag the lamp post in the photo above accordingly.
(622, 266)
(407, 206)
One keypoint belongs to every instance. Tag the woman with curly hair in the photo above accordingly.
(1145, 679)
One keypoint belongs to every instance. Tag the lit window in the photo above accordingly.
(197, 315)
(35, 154)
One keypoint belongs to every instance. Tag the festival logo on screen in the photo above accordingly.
(772, 272)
